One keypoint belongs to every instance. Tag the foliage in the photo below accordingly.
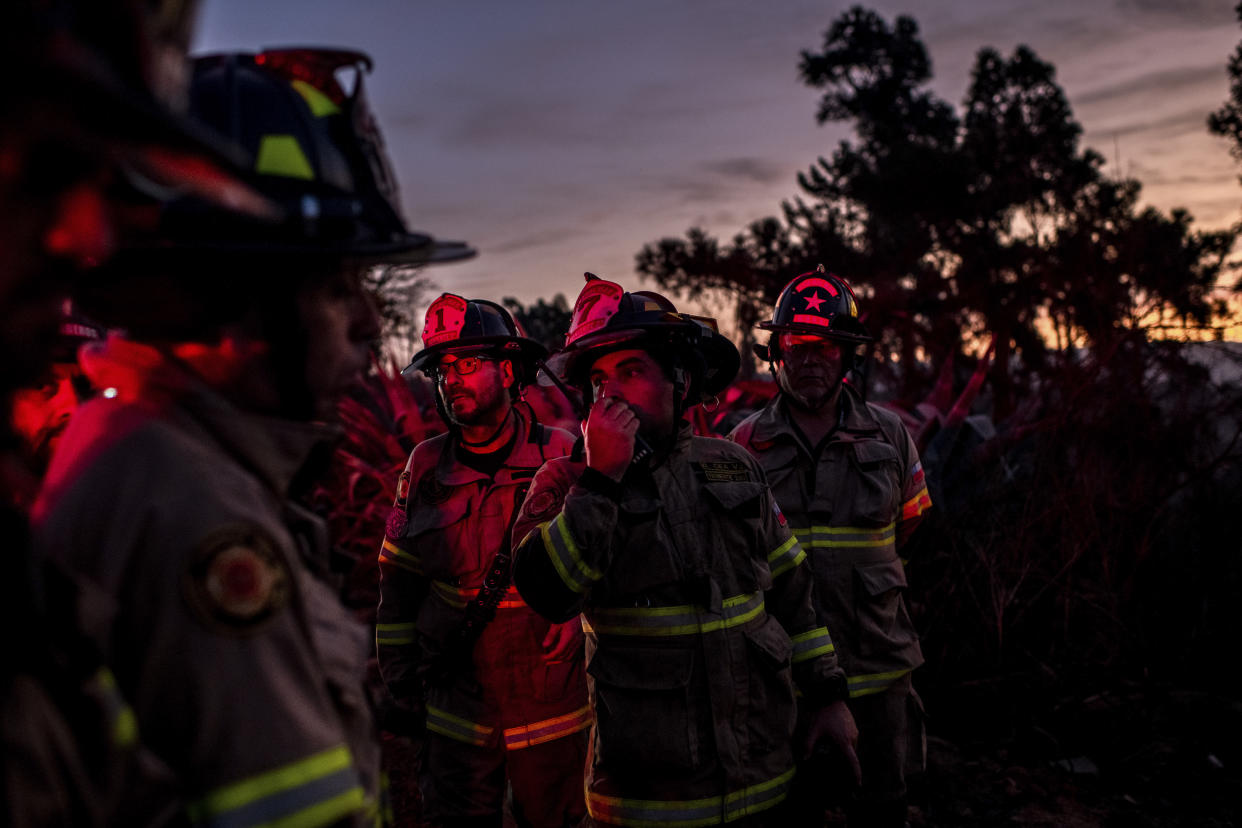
(544, 322)
(957, 227)
(399, 292)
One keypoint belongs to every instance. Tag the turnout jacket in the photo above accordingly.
(446, 527)
(244, 670)
(697, 609)
(852, 503)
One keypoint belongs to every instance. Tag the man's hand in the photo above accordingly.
(609, 436)
(563, 641)
(834, 725)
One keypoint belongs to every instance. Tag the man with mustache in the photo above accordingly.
(180, 490)
(848, 476)
(497, 691)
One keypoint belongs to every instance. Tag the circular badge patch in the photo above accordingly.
(236, 580)
(543, 503)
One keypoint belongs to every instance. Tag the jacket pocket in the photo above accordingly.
(643, 714)
(771, 695)
(877, 476)
(437, 533)
(883, 624)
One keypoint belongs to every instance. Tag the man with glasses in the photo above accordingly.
(497, 691)
(848, 476)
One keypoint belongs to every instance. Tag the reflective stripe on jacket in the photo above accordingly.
(851, 506)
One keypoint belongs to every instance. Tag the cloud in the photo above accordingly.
(758, 170)
(530, 241)
(1184, 11)
(1186, 121)
(1171, 82)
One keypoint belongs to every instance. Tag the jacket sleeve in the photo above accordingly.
(563, 538)
(915, 500)
(403, 587)
(816, 672)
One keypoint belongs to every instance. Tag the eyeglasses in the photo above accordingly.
(464, 366)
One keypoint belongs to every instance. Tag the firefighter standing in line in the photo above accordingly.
(177, 490)
(848, 476)
(88, 124)
(499, 691)
(694, 596)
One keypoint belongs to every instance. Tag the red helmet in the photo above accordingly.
(454, 322)
(819, 303)
(608, 318)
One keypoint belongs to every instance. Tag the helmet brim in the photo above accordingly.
(508, 347)
(720, 356)
(850, 331)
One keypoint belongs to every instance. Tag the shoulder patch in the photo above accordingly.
(236, 580)
(724, 472)
(542, 505)
(403, 488)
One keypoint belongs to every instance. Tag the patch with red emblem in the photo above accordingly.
(403, 488)
(432, 491)
(236, 580)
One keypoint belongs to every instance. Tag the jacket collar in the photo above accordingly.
(272, 448)
(855, 419)
(526, 452)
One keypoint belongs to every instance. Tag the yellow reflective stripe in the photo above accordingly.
(312, 791)
(575, 573)
(690, 813)
(821, 537)
(391, 553)
(392, 635)
(811, 643)
(866, 685)
(282, 155)
(536, 733)
(124, 724)
(786, 556)
(687, 619)
(458, 597)
(457, 728)
(319, 103)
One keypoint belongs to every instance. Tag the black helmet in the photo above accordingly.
(608, 318)
(453, 322)
(818, 303)
(312, 145)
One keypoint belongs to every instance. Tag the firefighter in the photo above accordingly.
(87, 122)
(178, 490)
(499, 692)
(695, 597)
(848, 476)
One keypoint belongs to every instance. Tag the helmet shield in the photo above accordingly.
(819, 303)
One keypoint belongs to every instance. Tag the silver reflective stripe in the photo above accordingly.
(576, 574)
(825, 537)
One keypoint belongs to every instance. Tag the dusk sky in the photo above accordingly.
(558, 137)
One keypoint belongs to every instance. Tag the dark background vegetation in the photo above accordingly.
(1077, 583)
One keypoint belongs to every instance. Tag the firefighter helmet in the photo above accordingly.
(819, 303)
(453, 323)
(311, 144)
(608, 318)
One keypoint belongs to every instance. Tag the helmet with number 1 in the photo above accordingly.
(457, 324)
(818, 303)
(608, 318)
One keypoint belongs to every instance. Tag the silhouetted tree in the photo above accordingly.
(991, 223)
